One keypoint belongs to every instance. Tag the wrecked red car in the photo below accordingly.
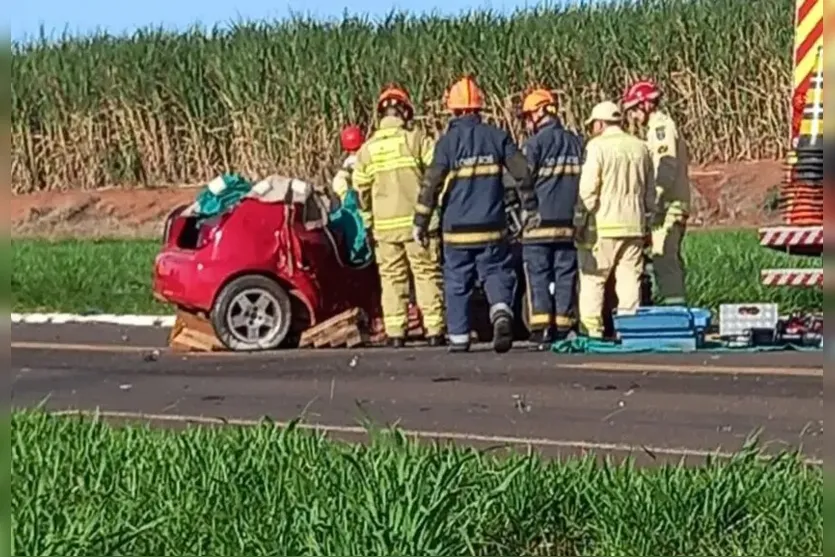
(270, 267)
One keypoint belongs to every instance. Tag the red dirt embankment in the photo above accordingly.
(728, 195)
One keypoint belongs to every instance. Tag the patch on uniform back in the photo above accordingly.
(660, 133)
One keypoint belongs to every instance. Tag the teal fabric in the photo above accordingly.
(585, 345)
(210, 205)
(348, 221)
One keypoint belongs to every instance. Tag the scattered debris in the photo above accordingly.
(521, 404)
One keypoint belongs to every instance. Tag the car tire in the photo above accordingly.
(252, 313)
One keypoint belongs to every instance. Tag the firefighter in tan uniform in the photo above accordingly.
(387, 176)
(672, 186)
(615, 204)
(351, 139)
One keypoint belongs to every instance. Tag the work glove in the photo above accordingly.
(421, 236)
(531, 219)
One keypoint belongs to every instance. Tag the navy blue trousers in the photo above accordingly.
(548, 263)
(492, 265)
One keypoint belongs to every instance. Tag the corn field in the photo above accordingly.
(160, 108)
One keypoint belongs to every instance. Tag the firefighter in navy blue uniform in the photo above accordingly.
(555, 157)
(468, 165)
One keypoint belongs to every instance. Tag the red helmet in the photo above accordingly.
(639, 92)
(351, 138)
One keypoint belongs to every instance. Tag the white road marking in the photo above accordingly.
(421, 434)
(71, 347)
(103, 318)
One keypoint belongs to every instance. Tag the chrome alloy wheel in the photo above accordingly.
(254, 317)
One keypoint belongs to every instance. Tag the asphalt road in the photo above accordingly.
(651, 406)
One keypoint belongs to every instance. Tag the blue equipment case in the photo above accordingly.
(663, 327)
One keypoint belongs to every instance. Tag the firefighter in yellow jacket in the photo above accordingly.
(615, 204)
(387, 176)
(672, 186)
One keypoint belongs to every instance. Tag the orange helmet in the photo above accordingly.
(394, 95)
(464, 95)
(538, 98)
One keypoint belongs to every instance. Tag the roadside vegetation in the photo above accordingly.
(114, 276)
(81, 487)
(161, 108)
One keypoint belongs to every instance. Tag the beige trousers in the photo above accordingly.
(624, 257)
(395, 260)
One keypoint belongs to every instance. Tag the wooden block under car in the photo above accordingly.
(192, 333)
(344, 329)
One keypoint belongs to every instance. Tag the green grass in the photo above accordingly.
(80, 487)
(77, 276)
(166, 108)
(114, 276)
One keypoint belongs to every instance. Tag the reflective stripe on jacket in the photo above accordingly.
(466, 181)
(617, 187)
(555, 156)
(387, 176)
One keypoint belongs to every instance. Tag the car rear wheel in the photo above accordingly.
(252, 313)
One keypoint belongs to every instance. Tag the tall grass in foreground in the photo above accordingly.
(161, 108)
(83, 488)
(115, 276)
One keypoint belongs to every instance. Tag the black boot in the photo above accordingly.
(435, 341)
(540, 340)
(502, 332)
(397, 342)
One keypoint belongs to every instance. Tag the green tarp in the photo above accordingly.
(210, 204)
(348, 221)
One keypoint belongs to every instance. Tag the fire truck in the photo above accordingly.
(801, 195)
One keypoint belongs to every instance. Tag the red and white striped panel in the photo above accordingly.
(793, 277)
(781, 236)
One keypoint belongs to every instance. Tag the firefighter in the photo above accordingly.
(351, 139)
(615, 204)
(555, 157)
(468, 166)
(387, 176)
(672, 186)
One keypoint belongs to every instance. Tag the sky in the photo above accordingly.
(27, 17)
